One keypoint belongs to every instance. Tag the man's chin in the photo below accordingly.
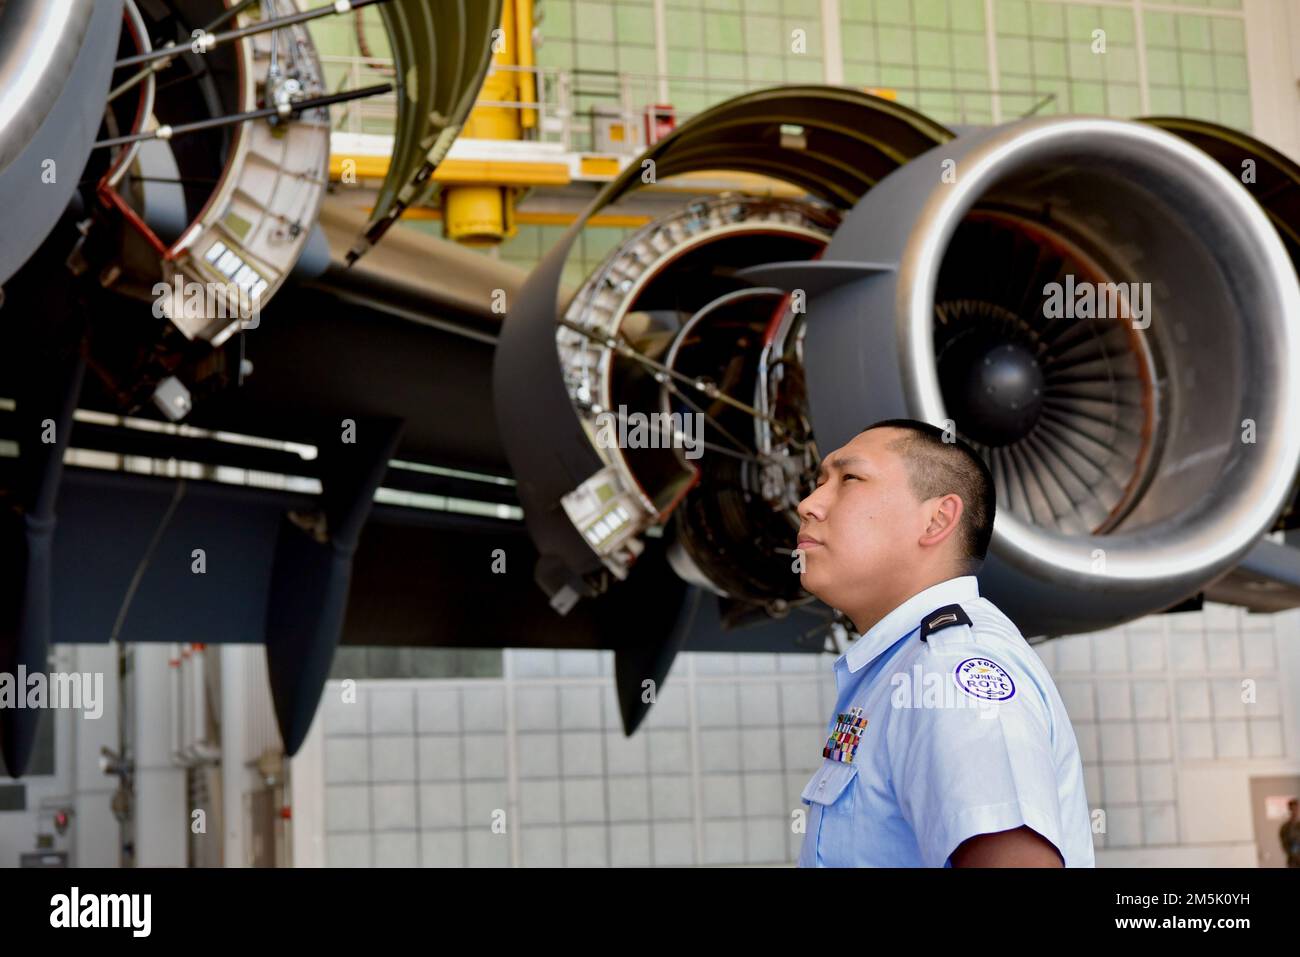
(810, 585)
(824, 591)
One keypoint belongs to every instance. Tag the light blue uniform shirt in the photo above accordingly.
(935, 741)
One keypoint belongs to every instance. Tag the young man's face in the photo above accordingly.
(860, 528)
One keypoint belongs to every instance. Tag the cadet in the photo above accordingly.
(950, 745)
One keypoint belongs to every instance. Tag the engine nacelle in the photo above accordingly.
(1109, 318)
(1095, 305)
(52, 57)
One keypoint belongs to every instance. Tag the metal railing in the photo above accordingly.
(581, 109)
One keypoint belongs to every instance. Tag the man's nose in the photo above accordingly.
(811, 508)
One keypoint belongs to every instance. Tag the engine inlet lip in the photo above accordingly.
(1215, 532)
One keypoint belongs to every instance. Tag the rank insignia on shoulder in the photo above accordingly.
(941, 618)
(844, 740)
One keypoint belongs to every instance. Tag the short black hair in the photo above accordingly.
(938, 463)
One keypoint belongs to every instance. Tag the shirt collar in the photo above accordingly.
(906, 618)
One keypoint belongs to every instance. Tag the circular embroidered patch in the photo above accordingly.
(984, 678)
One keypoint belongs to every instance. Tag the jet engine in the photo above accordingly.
(185, 145)
(1096, 305)
(162, 169)
(50, 54)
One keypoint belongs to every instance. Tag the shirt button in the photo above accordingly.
(822, 786)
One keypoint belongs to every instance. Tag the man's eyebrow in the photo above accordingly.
(839, 463)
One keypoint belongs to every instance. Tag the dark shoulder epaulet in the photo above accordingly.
(941, 618)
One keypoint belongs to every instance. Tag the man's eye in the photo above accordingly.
(847, 477)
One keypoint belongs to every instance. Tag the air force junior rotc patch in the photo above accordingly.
(984, 678)
(843, 742)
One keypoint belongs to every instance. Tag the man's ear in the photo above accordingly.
(945, 514)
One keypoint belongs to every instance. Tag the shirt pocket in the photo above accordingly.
(829, 797)
(830, 783)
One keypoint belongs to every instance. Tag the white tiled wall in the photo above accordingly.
(1174, 715)
(415, 771)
